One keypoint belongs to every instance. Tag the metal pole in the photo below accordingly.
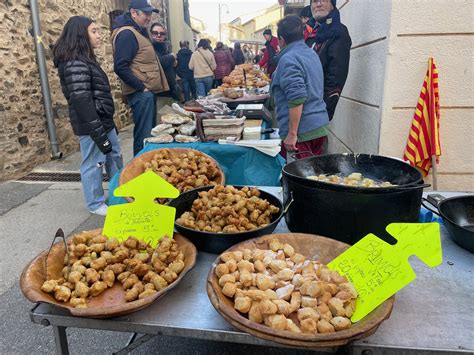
(55, 153)
(220, 34)
(435, 172)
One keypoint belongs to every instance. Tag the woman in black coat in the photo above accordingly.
(91, 107)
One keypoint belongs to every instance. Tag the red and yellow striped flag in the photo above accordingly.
(423, 141)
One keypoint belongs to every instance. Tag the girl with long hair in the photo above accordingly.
(91, 107)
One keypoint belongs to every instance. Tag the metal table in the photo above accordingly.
(434, 314)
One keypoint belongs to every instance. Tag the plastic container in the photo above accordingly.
(252, 133)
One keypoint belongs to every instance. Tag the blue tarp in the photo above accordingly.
(241, 165)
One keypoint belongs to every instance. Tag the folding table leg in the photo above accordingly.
(60, 339)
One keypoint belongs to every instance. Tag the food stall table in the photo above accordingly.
(431, 315)
(241, 165)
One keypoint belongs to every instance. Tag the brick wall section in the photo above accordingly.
(24, 142)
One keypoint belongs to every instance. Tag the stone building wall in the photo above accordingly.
(24, 141)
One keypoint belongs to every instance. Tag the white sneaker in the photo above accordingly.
(101, 211)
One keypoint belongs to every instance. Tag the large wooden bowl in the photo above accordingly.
(111, 302)
(315, 248)
(136, 166)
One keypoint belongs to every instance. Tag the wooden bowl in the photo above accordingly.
(315, 248)
(111, 302)
(136, 166)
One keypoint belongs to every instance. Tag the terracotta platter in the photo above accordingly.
(136, 166)
(111, 302)
(312, 247)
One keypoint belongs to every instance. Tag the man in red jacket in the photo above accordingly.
(269, 61)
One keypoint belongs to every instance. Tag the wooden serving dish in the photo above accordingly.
(136, 166)
(111, 302)
(313, 247)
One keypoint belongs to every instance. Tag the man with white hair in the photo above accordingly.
(331, 40)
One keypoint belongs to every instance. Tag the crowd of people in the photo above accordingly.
(308, 61)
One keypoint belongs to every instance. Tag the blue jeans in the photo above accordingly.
(143, 105)
(189, 89)
(203, 85)
(92, 164)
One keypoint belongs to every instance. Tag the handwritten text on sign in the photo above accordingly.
(378, 270)
(143, 218)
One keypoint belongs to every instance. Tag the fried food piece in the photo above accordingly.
(116, 268)
(176, 266)
(92, 276)
(292, 327)
(340, 323)
(229, 289)
(295, 301)
(325, 327)
(99, 263)
(49, 286)
(243, 304)
(108, 277)
(284, 293)
(81, 290)
(309, 325)
(255, 313)
(62, 293)
(168, 275)
(97, 288)
(267, 307)
(74, 276)
(111, 244)
(80, 238)
(130, 281)
(131, 243)
(149, 286)
(96, 248)
(222, 269)
(146, 293)
(133, 293)
(123, 276)
(265, 282)
(226, 278)
(336, 306)
(277, 322)
(141, 269)
(159, 282)
(307, 312)
(307, 301)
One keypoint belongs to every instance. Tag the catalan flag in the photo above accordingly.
(423, 146)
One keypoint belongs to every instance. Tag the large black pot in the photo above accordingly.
(350, 213)
(218, 242)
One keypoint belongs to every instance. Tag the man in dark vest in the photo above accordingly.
(138, 67)
(330, 39)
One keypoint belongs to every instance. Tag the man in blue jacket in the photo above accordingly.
(298, 91)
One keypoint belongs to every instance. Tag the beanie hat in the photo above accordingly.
(267, 32)
(306, 11)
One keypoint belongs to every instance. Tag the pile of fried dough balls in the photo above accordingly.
(284, 291)
(226, 209)
(96, 262)
(185, 171)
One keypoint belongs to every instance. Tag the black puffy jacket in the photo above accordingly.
(91, 107)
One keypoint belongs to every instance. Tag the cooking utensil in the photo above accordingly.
(349, 213)
(218, 242)
(312, 247)
(109, 303)
(458, 217)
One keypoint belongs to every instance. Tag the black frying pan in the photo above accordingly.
(458, 216)
(218, 242)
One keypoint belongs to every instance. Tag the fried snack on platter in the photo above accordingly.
(286, 291)
(135, 269)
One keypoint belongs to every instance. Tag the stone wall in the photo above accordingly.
(24, 142)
